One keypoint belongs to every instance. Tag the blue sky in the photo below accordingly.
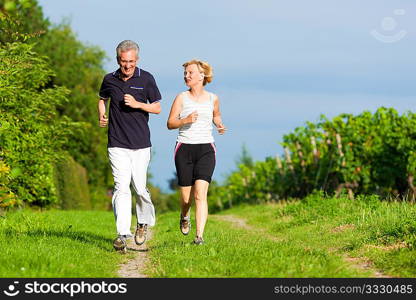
(277, 64)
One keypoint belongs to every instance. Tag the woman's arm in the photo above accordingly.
(216, 119)
(173, 120)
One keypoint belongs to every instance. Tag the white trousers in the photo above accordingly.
(129, 166)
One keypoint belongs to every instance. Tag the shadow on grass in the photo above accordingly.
(138, 250)
(92, 239)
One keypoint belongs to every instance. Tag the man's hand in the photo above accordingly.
(103, 121)
(130, 101)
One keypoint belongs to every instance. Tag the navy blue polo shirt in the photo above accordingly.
(128, 127)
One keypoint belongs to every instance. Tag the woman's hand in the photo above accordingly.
(221, 128)
(191, 118)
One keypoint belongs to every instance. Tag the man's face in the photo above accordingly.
(127, 62)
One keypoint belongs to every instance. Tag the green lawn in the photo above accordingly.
(312, 238)
(315, 237)
(58, 244)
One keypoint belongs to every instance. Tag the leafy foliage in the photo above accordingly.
(32, 135)
(72, 184)
(363, 154)
(78, 68)
(22, 21)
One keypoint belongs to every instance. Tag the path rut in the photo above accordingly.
(357, 263)
(134, 268)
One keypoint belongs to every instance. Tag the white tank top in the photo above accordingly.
(199, 132)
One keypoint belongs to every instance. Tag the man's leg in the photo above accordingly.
(144, 206)
(121, 168)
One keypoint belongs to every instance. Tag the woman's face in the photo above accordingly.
(192, 75)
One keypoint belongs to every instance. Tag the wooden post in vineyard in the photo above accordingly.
(412, 189)
(289, 160)
(314, 150)
(347, 185)
(316, 161)
(279, 165)
(300, 154)
(331, 159)
(339, 144)
(292, 169)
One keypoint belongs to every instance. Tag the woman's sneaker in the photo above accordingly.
(185, 225)
(199, 240)
(141, 234)
(120, 244)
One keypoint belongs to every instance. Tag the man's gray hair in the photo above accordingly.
(126, 46)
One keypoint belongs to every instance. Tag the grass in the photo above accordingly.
(58, 244)
(232, 252)
(317, 237)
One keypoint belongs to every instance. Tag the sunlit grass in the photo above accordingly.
(58, 244)
(316, 237)
(233, 252)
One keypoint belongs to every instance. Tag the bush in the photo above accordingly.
(32, 135)
(72, 184)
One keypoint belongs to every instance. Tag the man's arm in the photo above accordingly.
(153, 108)
(102, 118)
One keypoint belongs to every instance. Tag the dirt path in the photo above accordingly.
(364, 265)
(357, 263)
(241, 223)
(134, 267)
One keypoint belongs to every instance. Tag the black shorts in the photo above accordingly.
(193, 162)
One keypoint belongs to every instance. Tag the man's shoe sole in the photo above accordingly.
(136, 237)
(139, 243)
(120, 246)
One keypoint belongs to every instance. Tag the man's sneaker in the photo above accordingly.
(120, 244)
(199, 240)
(185, 225)
(141, 233)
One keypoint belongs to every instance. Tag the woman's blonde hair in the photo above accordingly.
(203, 67)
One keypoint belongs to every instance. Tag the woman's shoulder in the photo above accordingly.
(181, 95)
(213, 96)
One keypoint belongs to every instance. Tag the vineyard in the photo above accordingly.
(370, 153)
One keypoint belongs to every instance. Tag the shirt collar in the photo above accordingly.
(136, 73)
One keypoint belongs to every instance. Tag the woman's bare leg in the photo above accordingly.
(186, 199)
(200, 193)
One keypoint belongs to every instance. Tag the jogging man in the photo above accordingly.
(134, 94)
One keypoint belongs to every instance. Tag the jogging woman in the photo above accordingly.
(193, 112)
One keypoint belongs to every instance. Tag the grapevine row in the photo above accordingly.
(370, 153)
